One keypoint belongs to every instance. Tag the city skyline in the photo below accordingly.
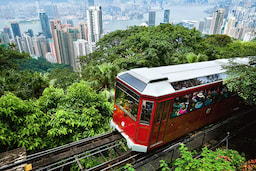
(77, 25)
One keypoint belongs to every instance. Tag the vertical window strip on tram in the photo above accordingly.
(146, 112)
(127, 100)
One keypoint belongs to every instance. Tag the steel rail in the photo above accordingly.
(77, 157)
(60, 149)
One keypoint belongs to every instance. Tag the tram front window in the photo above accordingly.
(127, 101)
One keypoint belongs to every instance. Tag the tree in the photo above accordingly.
(40, 65)
(62, 78)
(101, 76)
(77, 113)
(218, 40)
(242, 79)
(24, 84)
(209, 160)
(141, 46)
(21, 124)
(9, 57)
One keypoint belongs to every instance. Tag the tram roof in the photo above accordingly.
(157, 81)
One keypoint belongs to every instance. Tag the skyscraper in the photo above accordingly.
(94, 18)
(15, 29)
(4, 38)
(217, 20)
(28, 44)
(90, 3)
(81, 48)
(230, 27)
(63, 38)
(45, 24)
(83, 30)
(30, 32)
(207, 25)
(40, 46)
(8, 31)
(151, 18)
(166, 16)
(55, 24)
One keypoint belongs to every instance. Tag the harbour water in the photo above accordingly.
(177, 14)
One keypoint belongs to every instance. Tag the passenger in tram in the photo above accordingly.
(194, 98)
(199, 104)
(176, 104)
(200, 96)
(224, 92)
(182, 109)
(175, 108)
(208, 100)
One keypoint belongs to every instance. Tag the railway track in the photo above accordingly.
(109, 152)
(67, 154)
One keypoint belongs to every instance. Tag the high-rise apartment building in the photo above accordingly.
(200, 26)
(230, 29)
(28, 44)
(94, 18)
(4, 38)
(15, 29)
(83, 30)
(30, 32)
(45, 24)
(63, 38)
(217, 20)
(19, 43)
(55, 25)
(151, 18)
(207, 25)
(40, 46)
(166, 16)
(81, 48)
(8, 31)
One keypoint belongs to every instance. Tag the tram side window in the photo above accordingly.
(197, 100)
(127, 100)
(224, 93)
(212, 96)
(146, 112)
(180, 105)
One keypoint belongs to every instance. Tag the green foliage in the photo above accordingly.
(21, 124)
(164, 165)
(78, 113)
(101, 76)
(24, 84)
(145, 46)
(129, 167)
(56, 118)
(218, 40)
(242, 79)
(209, 160)
(62, 78)
(40, 65)
(9, 57)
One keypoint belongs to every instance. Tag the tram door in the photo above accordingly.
(160, 121)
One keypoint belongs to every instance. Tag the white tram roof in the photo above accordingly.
(157, 81)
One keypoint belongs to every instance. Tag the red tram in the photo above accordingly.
(154, 106)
